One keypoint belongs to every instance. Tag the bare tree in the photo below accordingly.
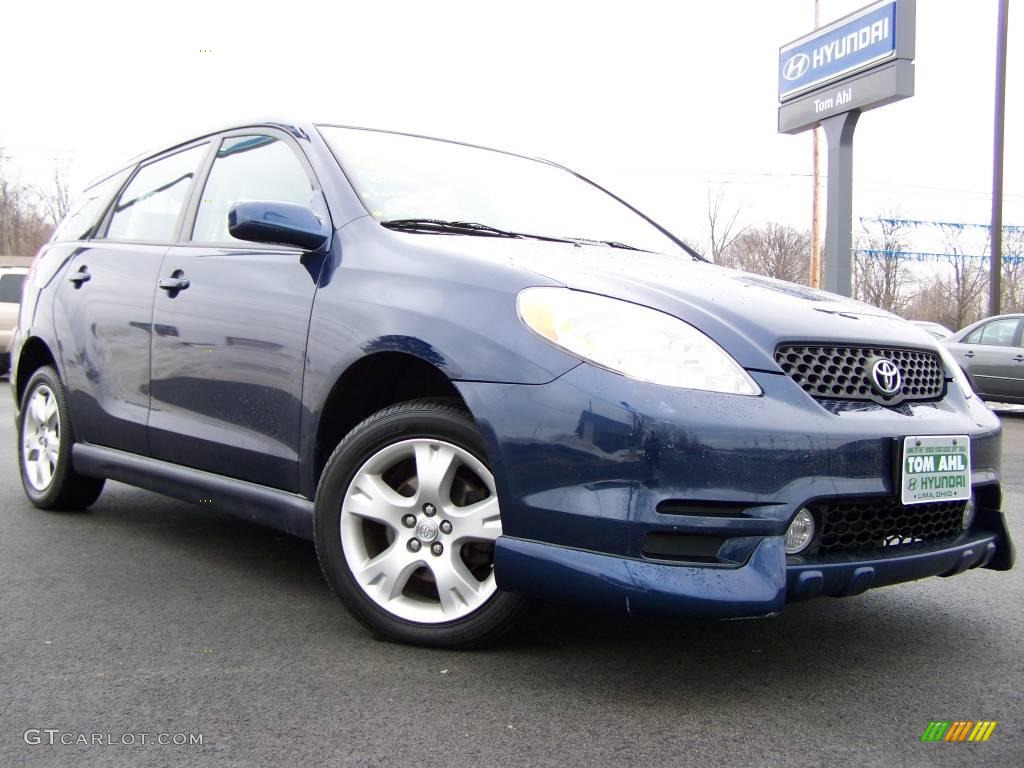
(881, 277)
(774, 249)
(22, 229)
(1013, 273)
(954, 296)
(55, 200)
(969, 282)
(723, 229)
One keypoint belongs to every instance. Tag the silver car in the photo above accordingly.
(991, 352)
(935, 329)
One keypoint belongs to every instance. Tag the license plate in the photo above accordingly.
(936, 468)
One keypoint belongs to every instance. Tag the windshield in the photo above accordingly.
(406, 178)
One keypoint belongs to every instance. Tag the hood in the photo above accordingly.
(747, 314)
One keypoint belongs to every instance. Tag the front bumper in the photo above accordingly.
(592, 467)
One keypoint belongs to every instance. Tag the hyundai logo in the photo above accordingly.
(886, 376)
(796, 67)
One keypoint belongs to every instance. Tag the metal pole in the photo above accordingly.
(996, 235)
(839, 216)
(814, 276)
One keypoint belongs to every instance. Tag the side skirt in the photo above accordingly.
(287, 512)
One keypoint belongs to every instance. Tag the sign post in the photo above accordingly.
(827, 78)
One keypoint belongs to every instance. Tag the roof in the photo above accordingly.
(291, 126)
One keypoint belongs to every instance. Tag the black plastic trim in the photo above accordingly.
(287, 512)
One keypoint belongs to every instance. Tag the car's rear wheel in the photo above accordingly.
(407, 518)
(45, 437)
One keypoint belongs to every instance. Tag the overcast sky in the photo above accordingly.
(656, 100)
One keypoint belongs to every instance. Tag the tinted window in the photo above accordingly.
(248, 168)
(998, 333)
(79, 223)
(149, 206)
(10, 288)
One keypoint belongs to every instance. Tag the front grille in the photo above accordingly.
(865, 524)
(844, 373)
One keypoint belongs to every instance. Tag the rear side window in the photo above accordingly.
(998, 333)
(81, 221)
(10, 288)
(149, 207)
(254, 167)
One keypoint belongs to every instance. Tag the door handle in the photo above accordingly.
(176, 282)
(1019, 359)
(80, 277)
(968, 354)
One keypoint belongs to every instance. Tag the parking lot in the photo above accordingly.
(151, 616)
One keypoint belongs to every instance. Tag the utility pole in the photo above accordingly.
(814, 278)
(996, 233)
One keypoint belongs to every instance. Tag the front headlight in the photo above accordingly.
(955, 370)
(632, 340)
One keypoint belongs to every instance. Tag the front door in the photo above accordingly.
(230, 325)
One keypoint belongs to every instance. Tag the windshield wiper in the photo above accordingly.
(440, 226)
(609, 243)
(486, 230)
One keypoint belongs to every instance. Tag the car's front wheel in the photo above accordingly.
(45, 438)
(407, 518)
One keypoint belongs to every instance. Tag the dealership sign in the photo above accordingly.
(828, 78)
(858, 62)
(850, 45)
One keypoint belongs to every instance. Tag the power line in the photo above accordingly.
(943, 224)
(930, 256)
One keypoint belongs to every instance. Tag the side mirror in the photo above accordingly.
(275, 223)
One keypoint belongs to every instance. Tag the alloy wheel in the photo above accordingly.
(418, 526)
(40, 440)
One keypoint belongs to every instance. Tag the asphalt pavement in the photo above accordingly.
(148, 618)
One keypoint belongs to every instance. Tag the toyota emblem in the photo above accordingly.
(886, 376)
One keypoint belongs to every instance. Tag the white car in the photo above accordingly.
(11, 280)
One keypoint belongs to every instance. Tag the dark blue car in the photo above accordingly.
(473, 378)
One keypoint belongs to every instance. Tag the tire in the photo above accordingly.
(415, 472)
(45, 437)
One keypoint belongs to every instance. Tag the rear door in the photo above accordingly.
(988, 353)
(104, 306)
(229, 349)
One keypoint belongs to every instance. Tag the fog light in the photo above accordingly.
(968, 517)
(800, 533)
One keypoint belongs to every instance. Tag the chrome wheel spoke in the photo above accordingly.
(389, 572)
(435, 469)
(477, 522)
(50, 413)
(44, 469)
(373, 499)
(37, 408)
(457, 588)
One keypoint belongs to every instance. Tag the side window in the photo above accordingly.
(998, 333)
(79, 223)
(10, 287)
(148, 208)
(248, 168)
